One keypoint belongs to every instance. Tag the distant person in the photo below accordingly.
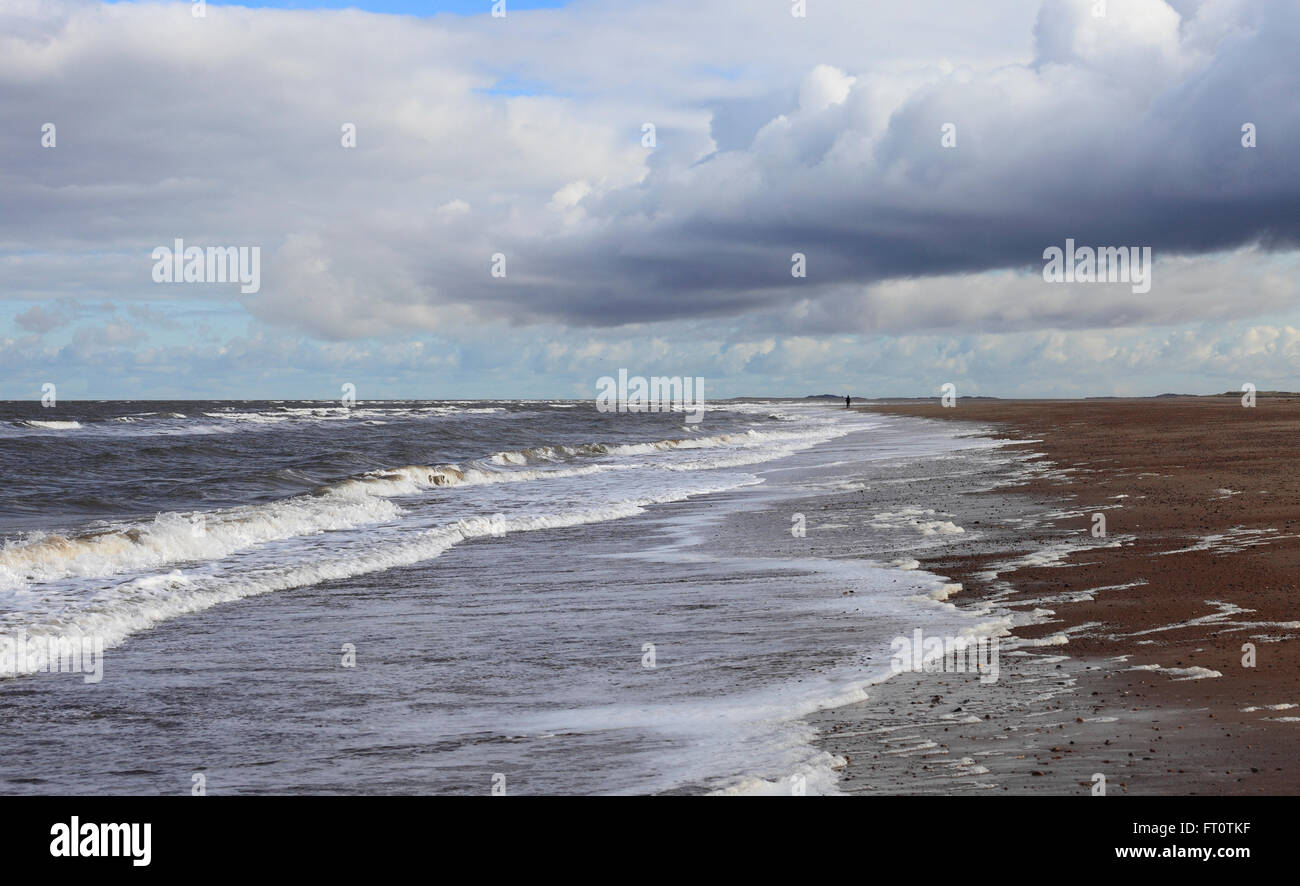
(847, 401)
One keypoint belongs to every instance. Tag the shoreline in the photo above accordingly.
(1148, 687)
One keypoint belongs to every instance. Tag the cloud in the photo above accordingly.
(39, 320)
(90, 339)
(774, 135)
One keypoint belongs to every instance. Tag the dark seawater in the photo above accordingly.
(501, 570)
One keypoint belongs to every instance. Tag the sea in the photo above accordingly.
(454, 597)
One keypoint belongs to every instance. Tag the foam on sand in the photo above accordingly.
(914, 518)
(1179, 674)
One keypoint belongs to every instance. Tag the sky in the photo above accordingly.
(858, 199)
(420, 8)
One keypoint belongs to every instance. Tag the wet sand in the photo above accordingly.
(1201, 499)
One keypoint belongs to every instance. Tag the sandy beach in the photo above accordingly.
(1134, 667)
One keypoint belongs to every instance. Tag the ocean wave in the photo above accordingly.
(49, 425)
(113, 614)
(750, 438)
(174, 537)
(180, 537)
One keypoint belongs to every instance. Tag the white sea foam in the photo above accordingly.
(1195, 672)
(915, 518)
(51, 425)
(944, 591)
(1231, 541)
(117, 612)
(178, 537)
